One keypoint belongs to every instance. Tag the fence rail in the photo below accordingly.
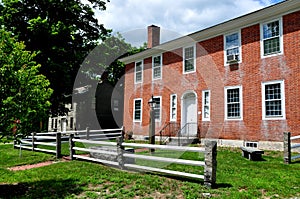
(36, 140)
(117, 149)
(53, 140)
(288, 146)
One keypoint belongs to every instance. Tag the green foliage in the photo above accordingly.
(24, 93)
(63, 31)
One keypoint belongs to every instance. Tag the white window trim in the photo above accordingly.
(241, 102)
(141, 72)
(280, 38)
(183, 61)
(203, 103)
(240, 47)
(282, 87)
(160, 107)
(134, 120)
(161, 64)
(171, 119)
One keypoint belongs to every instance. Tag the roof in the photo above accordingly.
(252, 18)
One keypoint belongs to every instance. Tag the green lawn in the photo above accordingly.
(237, 177)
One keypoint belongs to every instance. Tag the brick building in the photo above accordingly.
(236, 81)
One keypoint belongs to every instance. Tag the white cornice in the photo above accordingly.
(275, 11)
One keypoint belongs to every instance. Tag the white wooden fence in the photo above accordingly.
(53, 140)
(209, 163)
(289, 145)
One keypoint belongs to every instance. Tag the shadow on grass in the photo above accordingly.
(295, 162)
(41, 189)
(193, 180)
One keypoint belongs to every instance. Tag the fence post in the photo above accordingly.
(32, 140)
(210, 168)
(123, 132)
(71, 145)
(58, 145)
(87, 133)
(287, 147)
(120, 151)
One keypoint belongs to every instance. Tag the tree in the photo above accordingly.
(24, 93)
(63, 31)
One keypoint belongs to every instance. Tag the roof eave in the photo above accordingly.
(273, 11)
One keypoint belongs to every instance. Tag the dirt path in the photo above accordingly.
(41, 164)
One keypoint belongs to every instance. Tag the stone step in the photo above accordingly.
(174, 141)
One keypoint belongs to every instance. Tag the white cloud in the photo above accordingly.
(181, 16)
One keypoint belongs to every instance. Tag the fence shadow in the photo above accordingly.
(41, 189)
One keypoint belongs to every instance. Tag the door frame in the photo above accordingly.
(183, 108)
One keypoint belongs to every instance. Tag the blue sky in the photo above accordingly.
(175, 17)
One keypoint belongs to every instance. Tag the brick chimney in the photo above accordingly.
(153, 36)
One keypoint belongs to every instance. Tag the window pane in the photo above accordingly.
(189, 53)
(138, 77)
(273, 108)
(271, 29)
(138, 66)
(188, 65)
(271, 45)
(233, 95)
(137, 109)
(233, 110)
(232, 40)
(157, 108)
(156, 61)
(157, 72)
(273, 91)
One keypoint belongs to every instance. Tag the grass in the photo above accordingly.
(237, 177)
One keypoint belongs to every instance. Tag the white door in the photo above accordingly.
(189, 115)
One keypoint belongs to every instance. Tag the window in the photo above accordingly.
(232, 48)
(271, 36)
(138, 72)
(233, 103)
(52, 123)
(71, 122)
(206, 105)
(137, 113)
(273, 98)
(156, 67)
(189, 59)
(157, 108)
(173, 107)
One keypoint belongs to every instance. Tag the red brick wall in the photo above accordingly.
(213, 75)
